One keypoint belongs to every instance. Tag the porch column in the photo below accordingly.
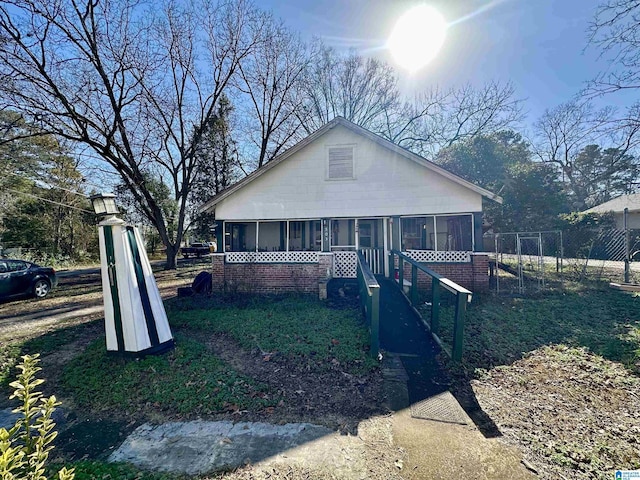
(326, 236)
(357, 234)
(396, 244)
(220, 247)
(478, 245)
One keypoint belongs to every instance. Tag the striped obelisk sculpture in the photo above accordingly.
(135, 319)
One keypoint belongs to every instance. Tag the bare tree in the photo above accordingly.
(272, 78)
(437, 118)
(563, 134)
(615, 31)
(133, 81)
(350, 86)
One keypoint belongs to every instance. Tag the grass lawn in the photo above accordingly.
(297, 327)
(191, 381)
(188, 381)
(607, 322)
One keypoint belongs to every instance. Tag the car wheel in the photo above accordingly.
(41, 288)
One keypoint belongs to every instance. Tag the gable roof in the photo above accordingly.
(360, 131)
(631, 201)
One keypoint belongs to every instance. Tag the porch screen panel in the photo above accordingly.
(305, 236)
(240, 236)
(418, 233)
(413, 230)
(454, 233)
(272, 236)
(343, 233)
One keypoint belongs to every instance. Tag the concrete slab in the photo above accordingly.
(200, 447)
(439, 450)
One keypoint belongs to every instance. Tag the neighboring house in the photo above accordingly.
(617, 206)
(300, 219)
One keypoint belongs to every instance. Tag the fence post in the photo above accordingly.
(375, 321)
(626, 245)
(401, 272)
(435, 305)
(458, 326)
(414, 285)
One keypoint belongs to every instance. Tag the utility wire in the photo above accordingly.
(47, 200)
(53, 186)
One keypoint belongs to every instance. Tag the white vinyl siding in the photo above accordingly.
(386, 184)
(340, 163)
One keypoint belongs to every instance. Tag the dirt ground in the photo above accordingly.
(574, 415)
(305, 394)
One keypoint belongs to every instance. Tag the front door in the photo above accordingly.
(371, 243)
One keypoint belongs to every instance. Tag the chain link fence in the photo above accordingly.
(530, 261)
(600, 254)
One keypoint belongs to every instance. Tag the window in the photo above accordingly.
(441, 232)
(340, 163)
(16, 266)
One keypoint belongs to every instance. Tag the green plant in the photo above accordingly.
(25, 448)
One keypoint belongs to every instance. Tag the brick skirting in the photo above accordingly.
(307, 277)
(473, 276)
(270, 277)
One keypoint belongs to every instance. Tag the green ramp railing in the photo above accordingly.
(370, 301)
(455, 305)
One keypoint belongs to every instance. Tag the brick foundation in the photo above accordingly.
(271, 278)
(308, 277)
(473, 276)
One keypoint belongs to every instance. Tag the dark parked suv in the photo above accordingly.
(18, 277)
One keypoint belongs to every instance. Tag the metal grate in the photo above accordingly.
(431, 256)
(442, 408)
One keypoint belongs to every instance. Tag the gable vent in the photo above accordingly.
(340, 163)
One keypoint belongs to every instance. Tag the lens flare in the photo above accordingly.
(417, 37)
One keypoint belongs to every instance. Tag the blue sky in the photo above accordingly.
(538, 45)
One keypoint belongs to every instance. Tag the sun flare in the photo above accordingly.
(417, 37)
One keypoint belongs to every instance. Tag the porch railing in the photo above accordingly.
(374, 258)
(439, 284)
(370, 301)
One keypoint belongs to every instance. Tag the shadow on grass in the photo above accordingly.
(500, 330)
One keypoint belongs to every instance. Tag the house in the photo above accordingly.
(617, 206)
(300, 219)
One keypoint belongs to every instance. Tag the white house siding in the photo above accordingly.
(633, 220)
(386, 184)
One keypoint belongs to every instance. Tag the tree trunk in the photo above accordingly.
(171, 262)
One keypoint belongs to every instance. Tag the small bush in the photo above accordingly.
(25, 448)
